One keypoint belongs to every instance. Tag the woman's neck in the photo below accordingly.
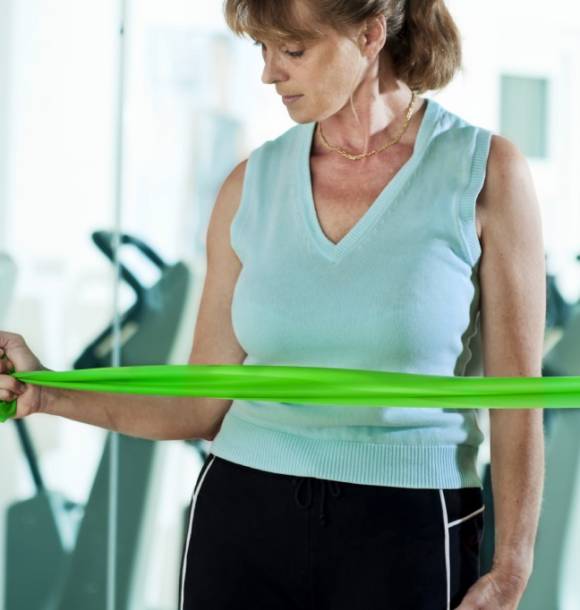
(375, 114)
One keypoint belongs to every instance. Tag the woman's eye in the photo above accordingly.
(257, 43)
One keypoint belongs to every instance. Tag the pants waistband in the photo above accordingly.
(299, 482)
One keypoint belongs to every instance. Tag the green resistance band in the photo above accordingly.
(315, 386)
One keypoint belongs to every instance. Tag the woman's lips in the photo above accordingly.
(288, 99)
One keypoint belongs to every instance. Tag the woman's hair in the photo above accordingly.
(422, 37)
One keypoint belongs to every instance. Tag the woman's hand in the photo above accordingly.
(499, 589)
(15, 355)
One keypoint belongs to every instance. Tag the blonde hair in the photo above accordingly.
(422, 37)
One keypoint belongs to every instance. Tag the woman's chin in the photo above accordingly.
(299, 116)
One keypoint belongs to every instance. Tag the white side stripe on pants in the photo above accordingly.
(446, 526)
(475, 512)
(446, 538)
(184, 564)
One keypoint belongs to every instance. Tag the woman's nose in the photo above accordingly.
(272, 73)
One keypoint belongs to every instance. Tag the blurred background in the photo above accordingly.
(193, 106)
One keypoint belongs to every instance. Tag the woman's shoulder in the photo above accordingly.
(503, 166)
(269, 155)
(453, 121)
(285, 139)
(507, 172)
(456, 142)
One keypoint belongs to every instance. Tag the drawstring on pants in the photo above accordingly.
(333, 487)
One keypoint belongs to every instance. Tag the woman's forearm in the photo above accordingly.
(517, 475)
(142, 416)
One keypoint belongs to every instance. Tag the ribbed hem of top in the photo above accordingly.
(411, 466)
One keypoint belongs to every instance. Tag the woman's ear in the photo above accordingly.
(373, 35)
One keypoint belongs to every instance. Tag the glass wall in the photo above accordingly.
(56, 183)
(74, 170)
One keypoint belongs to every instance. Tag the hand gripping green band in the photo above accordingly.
(314, 385)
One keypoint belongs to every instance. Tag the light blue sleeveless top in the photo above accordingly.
(399, 292)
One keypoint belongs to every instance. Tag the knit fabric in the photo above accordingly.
(400, 292)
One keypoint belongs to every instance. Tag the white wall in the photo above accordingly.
(5, 103)
(60, 159)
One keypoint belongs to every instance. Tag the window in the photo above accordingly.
(524, 113)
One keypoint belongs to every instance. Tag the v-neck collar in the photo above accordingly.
(334, 252)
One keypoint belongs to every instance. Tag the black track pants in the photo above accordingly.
(258, 540)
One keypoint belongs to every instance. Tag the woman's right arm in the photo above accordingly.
(142, 416)
(214, 342)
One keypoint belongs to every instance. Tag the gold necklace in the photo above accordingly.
(408, 115)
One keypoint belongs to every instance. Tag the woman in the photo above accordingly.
(370, 235)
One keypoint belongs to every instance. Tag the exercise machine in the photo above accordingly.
(55, 548)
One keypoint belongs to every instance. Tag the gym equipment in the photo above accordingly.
(56, 549)
(148, 328)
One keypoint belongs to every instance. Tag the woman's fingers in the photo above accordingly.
(11, 386)
(6, 366)
(7, 396)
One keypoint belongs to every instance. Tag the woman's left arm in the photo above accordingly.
(513, 314)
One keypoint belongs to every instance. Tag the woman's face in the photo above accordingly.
(323, 73)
